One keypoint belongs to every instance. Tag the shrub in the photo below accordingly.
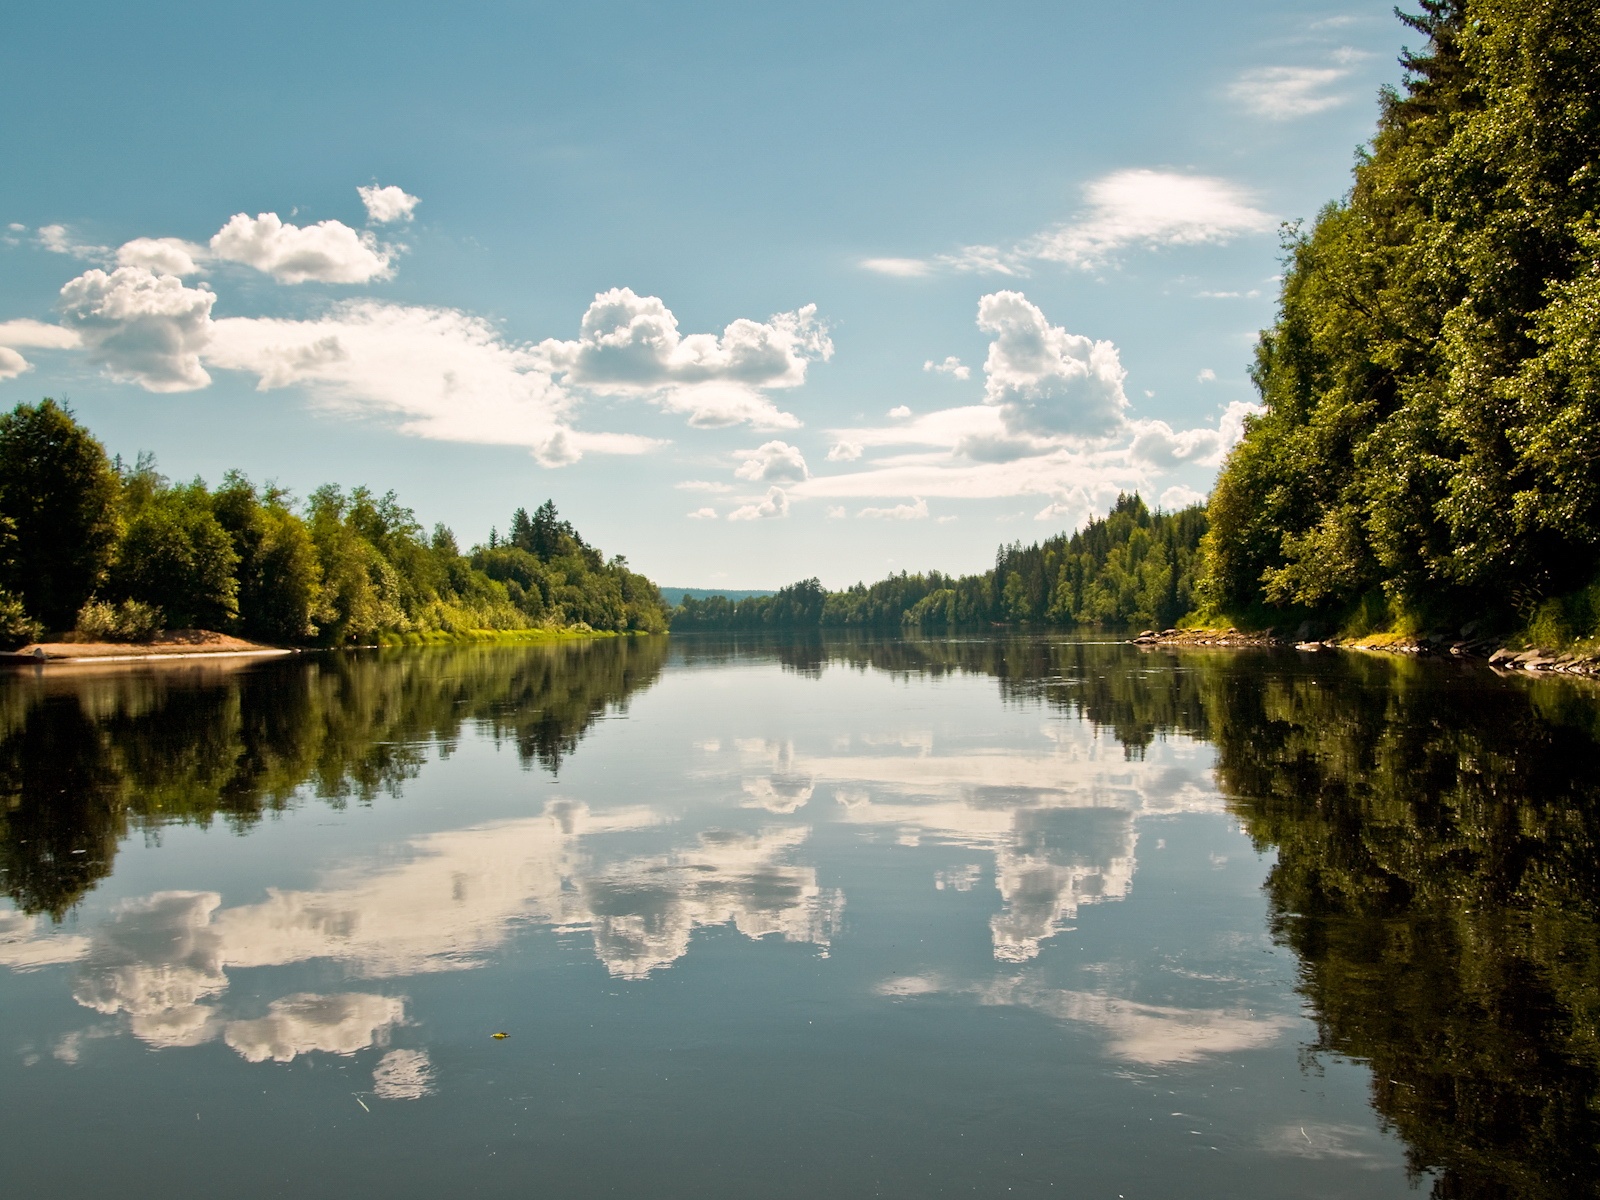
(17, 628)
(130, 621)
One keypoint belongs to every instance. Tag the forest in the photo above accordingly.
(103, 550)
(1130, 568)
(1430, 447)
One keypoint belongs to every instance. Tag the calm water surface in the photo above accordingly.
(904, 918)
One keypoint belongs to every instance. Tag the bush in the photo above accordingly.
(17, 628)
(130, 621)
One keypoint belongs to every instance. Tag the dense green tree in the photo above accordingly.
(360, 589)
(58, 503)
(1129, 568)
(280, 578)
(1432, 382)
(346, 567)
(176, 556)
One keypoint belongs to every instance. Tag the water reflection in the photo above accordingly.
(163, 960)
(1437, 834)
(1436, 837)
(1153, 1034)
(1438, 873)
(86, 758)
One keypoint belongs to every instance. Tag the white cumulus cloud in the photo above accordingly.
(951, 366)
(630, 345)
(1157, 443)
(844, 451)
(387, 204)
(164, 256)
(703, 514)
(1045, 380)
(773, 462)
(28, 333)
(1055, 423)
(12, 364)
(774, 505)
(327, 252)
(141, 327)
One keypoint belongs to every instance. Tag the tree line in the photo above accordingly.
(117, 551)
(1132, 567)
(1430, 447)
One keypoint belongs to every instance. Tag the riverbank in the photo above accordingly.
(176, 643)
(205, 643)
(1493, 651)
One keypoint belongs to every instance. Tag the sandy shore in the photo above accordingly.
(177, 643)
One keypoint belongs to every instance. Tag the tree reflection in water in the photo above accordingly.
(87, 758)
(1435, 828)
(1437, 837)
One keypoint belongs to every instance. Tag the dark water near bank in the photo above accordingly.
(905, 919)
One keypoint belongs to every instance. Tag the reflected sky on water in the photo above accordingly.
(875, 917)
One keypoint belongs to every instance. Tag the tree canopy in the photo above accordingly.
(120, 551)
(1131, 567)
(58, 511)
(1431, 441)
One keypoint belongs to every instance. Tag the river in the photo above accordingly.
(1019, 916)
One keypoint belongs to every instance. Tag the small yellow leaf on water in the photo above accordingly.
(499, 1035)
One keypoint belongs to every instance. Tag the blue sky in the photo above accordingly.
(752, 291)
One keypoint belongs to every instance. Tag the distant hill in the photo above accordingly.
(674, 596)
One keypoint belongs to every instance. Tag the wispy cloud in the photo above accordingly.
(1285, 93)
(1151, 209)
(905, 268)
(1131, 209)
(899, 512)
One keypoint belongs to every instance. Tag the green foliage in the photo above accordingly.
(17, 628)
(1130, 568)
(344, 568)
(130, 621)
(58, 506)
(174, 554)
(799, 606)
(1432, 383)
(279, 574)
